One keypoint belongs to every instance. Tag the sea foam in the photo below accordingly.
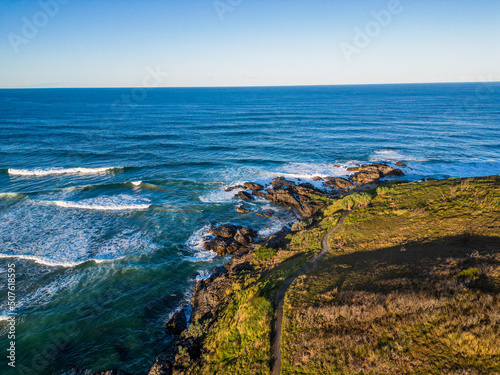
(76, 236)
(100, 207)
(392, 155)
(106, 203)
(40, 172)
(196, 243)
(54, 263)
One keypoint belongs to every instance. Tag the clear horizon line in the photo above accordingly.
(244, 86)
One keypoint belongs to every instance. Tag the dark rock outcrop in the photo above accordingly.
(177, 323)
(224, 230)
(401, 164)
(253, 186)
(244, 236)
(317, 178)
(164, 362)
(229, 239)
(244, 195)
(339, 183)
(369, 173)
(231, 188)
(209, 294)
(209, 297)
(300, 197)
(278, 240)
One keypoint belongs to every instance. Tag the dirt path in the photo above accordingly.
(276, 366)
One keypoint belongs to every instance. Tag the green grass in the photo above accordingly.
(469, 273)
(264, 253)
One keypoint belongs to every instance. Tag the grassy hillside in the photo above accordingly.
(410, 285)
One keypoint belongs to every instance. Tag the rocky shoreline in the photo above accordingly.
(208, 297)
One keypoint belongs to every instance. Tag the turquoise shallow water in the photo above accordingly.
(102, 204)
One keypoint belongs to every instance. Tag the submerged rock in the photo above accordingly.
(267, 213)
(236, 187)
(79, 371)
(243, 209)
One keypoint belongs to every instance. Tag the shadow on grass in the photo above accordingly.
(410, 266)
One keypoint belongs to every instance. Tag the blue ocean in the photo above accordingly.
(106, 194)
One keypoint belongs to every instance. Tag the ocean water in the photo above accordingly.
(105, 194)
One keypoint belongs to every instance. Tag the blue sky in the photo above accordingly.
(105, 43)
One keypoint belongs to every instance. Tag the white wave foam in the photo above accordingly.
(106, 203)
(197, 240)
(391, 155)
(55, 263)
(272, 227)
(44, 294)
(39, 172)
(219, 196)
(202, 256)
(136, 183)
(203, 275)
(58, 237)
(80, 205)
(196, 244)
(307, 171)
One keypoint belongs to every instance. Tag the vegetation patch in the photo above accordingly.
(264, 253)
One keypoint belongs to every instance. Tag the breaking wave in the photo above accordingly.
(40, 172)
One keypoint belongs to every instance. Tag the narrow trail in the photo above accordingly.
(276, 364)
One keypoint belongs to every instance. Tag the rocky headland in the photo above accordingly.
(209, 296)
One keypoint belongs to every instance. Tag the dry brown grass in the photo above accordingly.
(411, 285)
